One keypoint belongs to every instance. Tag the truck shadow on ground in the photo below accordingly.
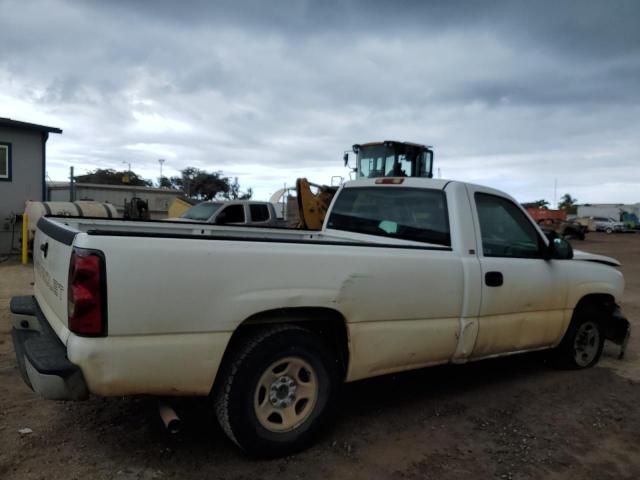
(132, 425)
(431, 422)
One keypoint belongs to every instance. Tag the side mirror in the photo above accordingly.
(558, 249)
(562, 250)
(346, 159)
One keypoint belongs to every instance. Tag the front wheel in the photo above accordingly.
(608, 230)
(276, 390)
(582, 345)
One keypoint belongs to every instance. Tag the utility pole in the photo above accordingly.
(555, 193)
(161, 162)
(128, 177)
(72, 193)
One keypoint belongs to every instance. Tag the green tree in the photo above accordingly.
(235, 193)
(108, 176)
(536, 204)
(202, 185)
(568, 203)
(164, 182)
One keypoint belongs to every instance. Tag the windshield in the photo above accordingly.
(202, 211)
(387, 161)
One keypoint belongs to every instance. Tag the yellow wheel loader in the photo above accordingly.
(375, 159)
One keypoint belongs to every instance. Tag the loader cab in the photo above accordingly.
(392, 159)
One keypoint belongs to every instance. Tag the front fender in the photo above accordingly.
(591, 278)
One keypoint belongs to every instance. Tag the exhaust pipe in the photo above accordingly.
(169, 417)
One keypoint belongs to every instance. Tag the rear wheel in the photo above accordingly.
(582, 345)
(276, 390)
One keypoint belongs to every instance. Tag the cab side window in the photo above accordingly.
(259, 213)
(505, 229)
(232, 214)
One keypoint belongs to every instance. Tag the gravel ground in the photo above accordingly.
(512, 418)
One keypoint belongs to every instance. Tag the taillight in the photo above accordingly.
(87, 293)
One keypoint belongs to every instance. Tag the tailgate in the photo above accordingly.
(52, 248)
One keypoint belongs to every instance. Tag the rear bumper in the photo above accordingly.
(41, 356)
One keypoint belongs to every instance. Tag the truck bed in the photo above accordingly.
(69, 227)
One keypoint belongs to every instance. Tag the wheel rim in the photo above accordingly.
(586, 343)
(286, 394)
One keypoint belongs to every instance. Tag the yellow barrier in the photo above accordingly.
(25, 239)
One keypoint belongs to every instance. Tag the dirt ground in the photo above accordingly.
(509, 418)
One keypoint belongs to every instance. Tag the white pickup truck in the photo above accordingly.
(267, 323)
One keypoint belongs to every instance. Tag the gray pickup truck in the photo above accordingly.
(234, 212)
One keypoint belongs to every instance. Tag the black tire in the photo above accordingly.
(582, 344)
(238, 388)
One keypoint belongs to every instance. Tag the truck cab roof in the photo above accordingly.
(415, 182)
(423, 182)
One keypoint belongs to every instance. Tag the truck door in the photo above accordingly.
(231, 215)
(403, 298)
(523, 295)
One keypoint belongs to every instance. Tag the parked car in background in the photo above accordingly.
(630, 220)
(540, 214)
(566, 229)
(607, 224)
(234, 212)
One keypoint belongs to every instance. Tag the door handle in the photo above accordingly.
(45, 248)
(493, 279)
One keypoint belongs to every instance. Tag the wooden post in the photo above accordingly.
(25, 239)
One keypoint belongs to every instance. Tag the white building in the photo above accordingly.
(609, 210)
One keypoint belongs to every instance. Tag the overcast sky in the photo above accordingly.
(510, 94)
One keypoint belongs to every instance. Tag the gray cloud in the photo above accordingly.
(513, 94)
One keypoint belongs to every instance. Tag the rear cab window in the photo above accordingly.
(416, 214)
